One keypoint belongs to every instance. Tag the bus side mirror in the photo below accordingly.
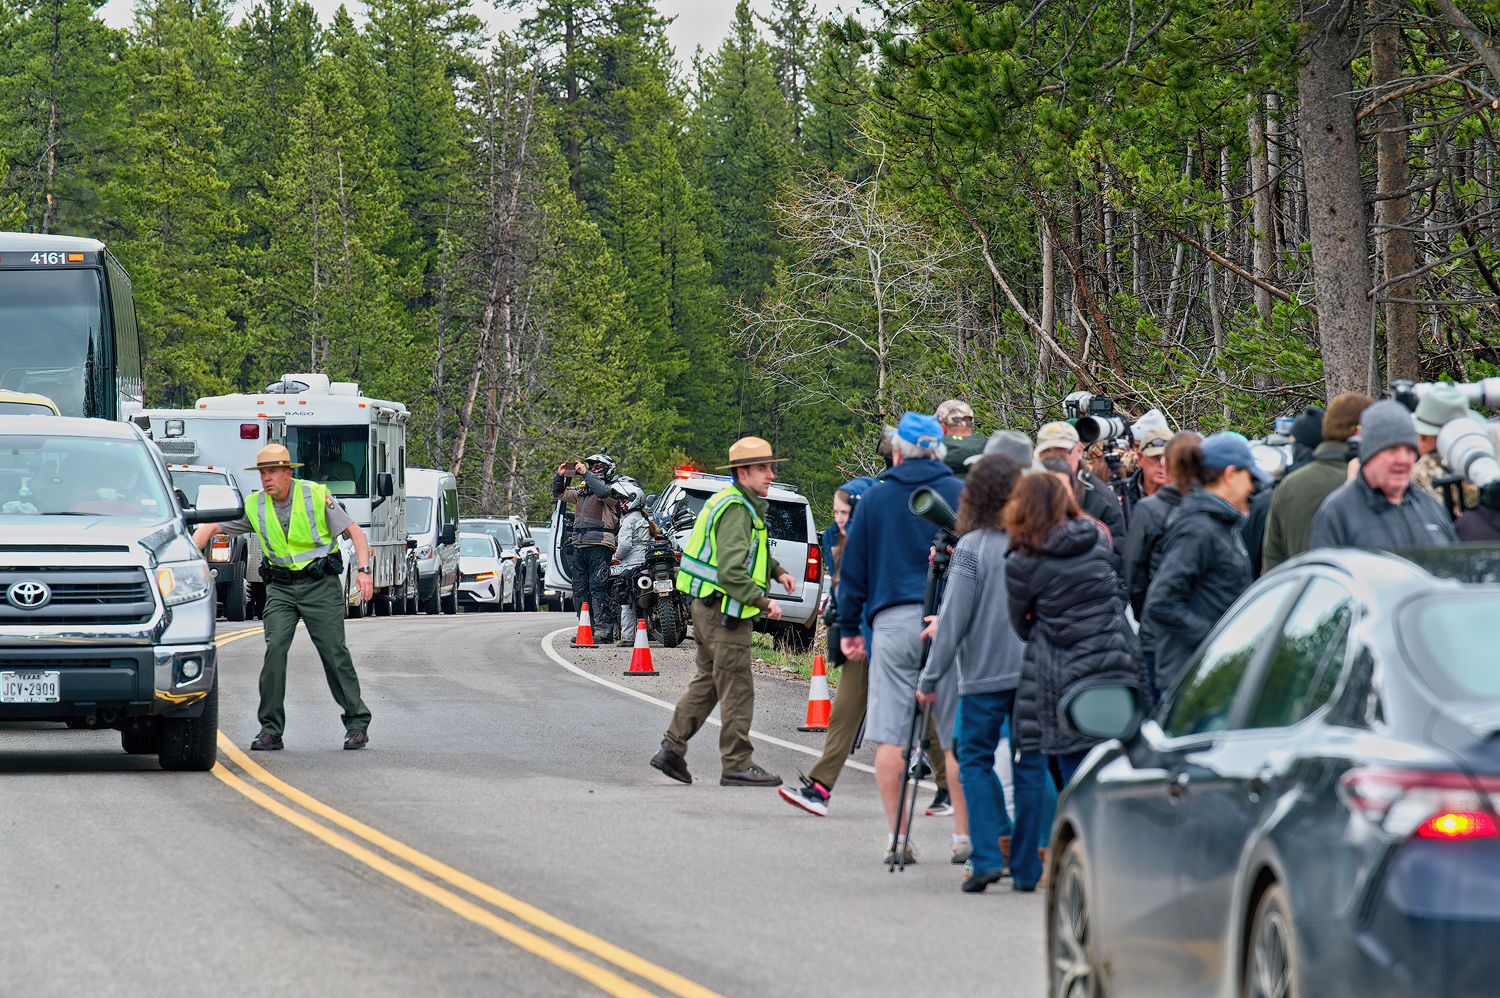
(385, 485)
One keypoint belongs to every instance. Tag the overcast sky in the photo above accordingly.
(697, 22)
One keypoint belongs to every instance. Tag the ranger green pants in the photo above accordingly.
(319, 604)
(723, 678)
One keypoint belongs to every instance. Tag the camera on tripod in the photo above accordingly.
(1095, 418)
(1484, 393)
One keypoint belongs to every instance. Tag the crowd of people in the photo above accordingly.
(1059, 578)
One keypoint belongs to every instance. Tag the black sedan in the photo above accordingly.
(1311, 811)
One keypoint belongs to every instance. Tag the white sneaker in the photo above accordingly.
(890, 854)
(962, 849)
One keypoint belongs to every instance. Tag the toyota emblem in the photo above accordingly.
(29, 595)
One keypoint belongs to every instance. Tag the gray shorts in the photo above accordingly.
(895, 661)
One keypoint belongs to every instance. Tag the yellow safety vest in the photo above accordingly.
(698, 573)
(309, 538)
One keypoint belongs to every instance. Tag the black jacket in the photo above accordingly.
(1069, 606)
(1356, 516)
(1204, 568)
(1099, 501)
(1253, 527)
(1478, 524)
(1143, 551)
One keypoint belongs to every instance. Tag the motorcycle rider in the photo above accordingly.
(632, 542)
(595, 520)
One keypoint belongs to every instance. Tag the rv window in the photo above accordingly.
(337, 456)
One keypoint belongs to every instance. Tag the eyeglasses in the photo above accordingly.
(1154, 442)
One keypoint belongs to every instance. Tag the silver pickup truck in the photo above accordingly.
(106, 607)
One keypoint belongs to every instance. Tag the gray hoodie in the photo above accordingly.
(974, 628)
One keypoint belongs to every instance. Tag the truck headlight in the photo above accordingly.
(182, 581)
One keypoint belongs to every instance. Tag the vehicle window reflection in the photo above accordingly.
(1308, 659)
(1203, 700)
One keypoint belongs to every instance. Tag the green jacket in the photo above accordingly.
(732, 541)
(1297, 499)
(960, 449)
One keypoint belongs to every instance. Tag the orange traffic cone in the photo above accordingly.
(585, 636)
(640, 656)
(818, 704)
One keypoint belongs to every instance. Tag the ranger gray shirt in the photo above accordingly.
(974, 629)
(338, 520)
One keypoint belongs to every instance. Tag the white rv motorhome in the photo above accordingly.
(356, 447)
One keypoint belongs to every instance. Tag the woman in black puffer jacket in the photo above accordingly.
(1068, 603)
(1204, 565)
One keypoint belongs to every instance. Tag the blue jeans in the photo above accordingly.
(976, 736)
(1068, 763)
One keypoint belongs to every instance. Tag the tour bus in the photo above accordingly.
(67, 326)
(356, 447)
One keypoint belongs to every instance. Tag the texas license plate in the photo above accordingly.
(662, 585)
(28, 687)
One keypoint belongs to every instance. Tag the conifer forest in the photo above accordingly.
(571, 238)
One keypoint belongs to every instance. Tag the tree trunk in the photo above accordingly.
(1335, 200)
(1049, 306)
(1398, 253)
(1261, 222)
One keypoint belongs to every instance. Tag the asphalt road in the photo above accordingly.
(500, 793)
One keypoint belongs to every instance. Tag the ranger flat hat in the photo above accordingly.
(749, 450)
(273, 456)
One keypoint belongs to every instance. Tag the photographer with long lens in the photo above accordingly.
(1380, 508)
(1148, 441)
(1302, 490)
(1476, 456)
(1440, 405)
(883, 576)
(1061, 441)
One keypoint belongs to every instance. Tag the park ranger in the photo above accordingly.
(726, 567)
(298, 523)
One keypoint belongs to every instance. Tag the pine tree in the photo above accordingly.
(58, 88)
(745, 127)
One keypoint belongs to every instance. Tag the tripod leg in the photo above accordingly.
(898, 848)
(912, 814)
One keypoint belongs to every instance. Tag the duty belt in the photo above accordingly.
(322, 568)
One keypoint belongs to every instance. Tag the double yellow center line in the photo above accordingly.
(568, 959)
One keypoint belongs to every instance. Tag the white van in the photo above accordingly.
(432, 523)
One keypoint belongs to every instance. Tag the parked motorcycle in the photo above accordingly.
(652, 585)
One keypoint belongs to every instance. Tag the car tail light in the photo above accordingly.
(814, 564)
(1428, 803)
(218, 548)
(249, 431)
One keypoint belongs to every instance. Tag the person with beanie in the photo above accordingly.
(1012, 443)
(1380, 508)
(1301, 490)
(1307, 433)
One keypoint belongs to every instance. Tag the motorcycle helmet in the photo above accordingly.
(606, 464)
(632, 496)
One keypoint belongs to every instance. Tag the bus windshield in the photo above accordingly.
(51, 332)
(337, 456)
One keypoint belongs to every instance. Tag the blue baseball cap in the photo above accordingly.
(920, 429)
(1227, 449)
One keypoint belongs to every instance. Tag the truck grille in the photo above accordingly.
(81, 596)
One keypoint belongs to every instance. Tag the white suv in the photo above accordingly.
(793, 542)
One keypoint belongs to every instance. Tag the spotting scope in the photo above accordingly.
(930, 505)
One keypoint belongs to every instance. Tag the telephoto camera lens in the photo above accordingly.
(1092, 428)
(1465, 447)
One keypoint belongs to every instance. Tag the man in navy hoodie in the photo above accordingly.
(883, 575)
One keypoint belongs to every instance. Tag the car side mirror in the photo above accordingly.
(385, 484)
(182, 500)
(448, 534)
(216, 503)
(1103, 712)
(411, 544)
(651, 499)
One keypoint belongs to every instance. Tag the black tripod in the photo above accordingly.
(931, 507)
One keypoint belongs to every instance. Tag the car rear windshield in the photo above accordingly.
(785, 521)
(475, 547)
(503, 533)
(1451, 640)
